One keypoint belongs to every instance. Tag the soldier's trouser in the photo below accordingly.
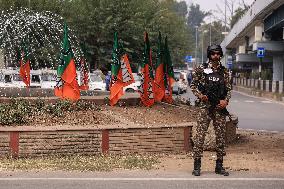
(219, 123)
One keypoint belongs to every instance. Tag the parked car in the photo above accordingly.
(6, 78)
(180, 85)
(48, 79)
(35, 78)
(133, 87)
(176, 88)
(11, 78)
(96, 82)
(184, 77)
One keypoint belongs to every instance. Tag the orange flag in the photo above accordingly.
(146, 72)
(67, 86)
(25, 66)
(159, 82)
(123, 78)
(169, 79)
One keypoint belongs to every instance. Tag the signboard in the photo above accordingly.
(260, 52)
(230, 64)
(188, 59)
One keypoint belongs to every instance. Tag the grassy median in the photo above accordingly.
(81, 163)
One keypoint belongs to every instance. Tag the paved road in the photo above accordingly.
(257, 113)
(254, 112)
(137, 180)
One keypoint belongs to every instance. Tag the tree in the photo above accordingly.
(195, 19)
(181, 8)
(195, 16)
(216, 36)
(234, 14)
(95, 21)
(239, 12)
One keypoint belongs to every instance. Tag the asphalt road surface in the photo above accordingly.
(137, 180)
(253, 112)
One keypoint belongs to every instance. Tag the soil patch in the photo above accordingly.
(106, 115)
(253, 151)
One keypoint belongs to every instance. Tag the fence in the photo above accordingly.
(262, 85)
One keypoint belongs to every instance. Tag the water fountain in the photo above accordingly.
(41, 31)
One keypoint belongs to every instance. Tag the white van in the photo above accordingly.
(12, 78)
(6, 78)
(35, 78)
(48, 79)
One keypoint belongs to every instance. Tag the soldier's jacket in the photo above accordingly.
(198, 77)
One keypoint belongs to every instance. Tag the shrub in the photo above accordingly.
(17, 110)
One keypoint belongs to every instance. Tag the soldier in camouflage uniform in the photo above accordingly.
(207, 74)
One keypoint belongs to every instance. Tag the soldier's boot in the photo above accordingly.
(219, 169)
(197, 166)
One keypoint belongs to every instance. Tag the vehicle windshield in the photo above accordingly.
(7, 78)
(177, 75)
(35, 79)
(2, 77)
(136, 77)
(95, 78)
(48, 77)
(17, 77)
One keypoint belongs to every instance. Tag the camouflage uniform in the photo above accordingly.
(204, 116)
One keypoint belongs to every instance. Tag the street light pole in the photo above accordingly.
(202, 46)
(225, 15)
(210, 43)
(196, 29)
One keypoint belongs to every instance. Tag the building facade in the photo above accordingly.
(261, 28)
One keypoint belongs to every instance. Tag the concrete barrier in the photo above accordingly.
(244, 82)
(268, 85)
(262, 85)
(281, 87)
(275, 86)
(234, 81)
(249, 82)
(255, 83)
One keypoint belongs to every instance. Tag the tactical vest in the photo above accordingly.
(215, 82)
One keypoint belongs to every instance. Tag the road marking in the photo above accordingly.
(249, 101)
(267, 102)
(257, 130)
(144, 179)
(245, 94)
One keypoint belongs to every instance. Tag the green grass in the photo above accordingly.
(81, 163)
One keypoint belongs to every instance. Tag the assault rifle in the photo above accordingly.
(214, 94)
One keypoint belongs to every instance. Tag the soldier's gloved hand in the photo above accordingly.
(203, 98)
(222, 104)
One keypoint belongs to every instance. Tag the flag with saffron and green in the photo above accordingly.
(169, 74)
(67, 86)
(121, 73)
(146, 72)
(25, 64)
(159, 82)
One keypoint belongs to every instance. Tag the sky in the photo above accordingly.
(211, 5)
